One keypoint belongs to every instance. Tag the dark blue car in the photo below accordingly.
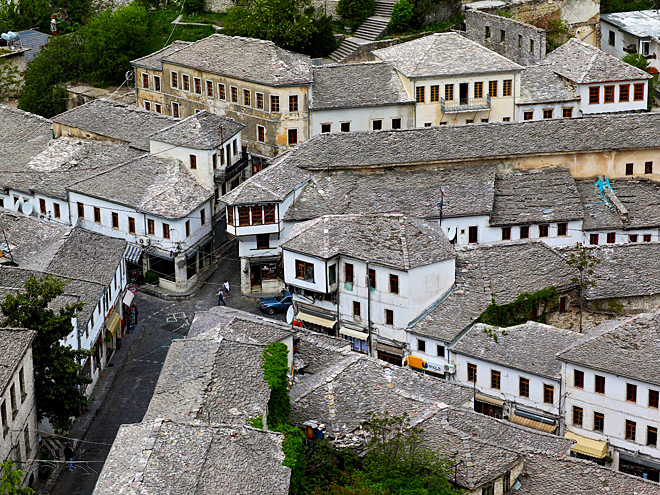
(278, 304)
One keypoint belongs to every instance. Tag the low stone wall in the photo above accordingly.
(444, 10)
(363, 53)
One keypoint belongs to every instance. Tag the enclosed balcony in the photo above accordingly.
(465, 104)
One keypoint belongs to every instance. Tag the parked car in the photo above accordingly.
(278, 304)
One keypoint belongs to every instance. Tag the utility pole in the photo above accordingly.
(441, 204)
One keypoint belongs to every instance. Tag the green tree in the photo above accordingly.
(26, 14)
(57, 379)
(77, 11)
(402, 17)
(584, 262)
(638, 60)
(9, 80)
(275, 365)
(11, 480)
(354, 12)
(193, 7)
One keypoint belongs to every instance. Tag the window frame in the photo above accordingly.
(524, 232)
(357, 309)
(81, 210)
(185, 81)
(579, 373)
(389, 317)
(145, 80)
(544, 230)
(166, 230)
(578, 416)
(434, 97)
(151, 227)
(472, 372)
(420, 94)
(548, 394)
(378, 127)
(611, 238)
(394, 283)
(193, 162)
(421, 345)
(259, 100)
(449, 92)
(175, 113)
(523, 387)
(247, 98)
(174, 79)
(473, 234)
(630, 169)
(349, 273)
(478, 89)
(630, 430)
(642, 92)
(608, 94)
(653, 403)
(292, 136)
(562, 229)
(97, 214)
(651, 430)
(548, 113)
(233, 94)
(599, 421)
(506, 233)
(567, 110)
(648, 168)
(274, 104)
(631, 392)
(495, 379)
(507, 87)
(244, 214)
(260, 241)
(131, 225)
(197, 85)
(342, 126)
(305, 271)
(222, 92)
(528, 115)
(261, 134)
(594, 95)
(293, 104)
(624, 89)
(492, 88)
(592, 238)
(599, 384)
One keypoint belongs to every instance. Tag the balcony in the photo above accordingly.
(465, 104)
(229, 173)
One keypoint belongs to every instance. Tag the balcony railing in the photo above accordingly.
(228, 174)
(465, 104)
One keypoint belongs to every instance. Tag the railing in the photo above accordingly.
(229, 173)
(465, 104)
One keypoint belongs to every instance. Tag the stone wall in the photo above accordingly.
(443, 11)
(363, 53)
(523, 43)
(218, 5)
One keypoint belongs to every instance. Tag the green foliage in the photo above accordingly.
(26, 14)
(556, 34)
(294, 457)
(77, 12)
(584, 262)
(328, 468)
(57, 379)
(521, 310)
(323, 42)
(9, 80)
(608, 6)
(151, 277)
(402, 17)
(636, 60)
(275, 366)
(354, 12)
(193, 6)
(256, 422)
(11, 480)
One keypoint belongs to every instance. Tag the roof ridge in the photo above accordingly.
(404, 243)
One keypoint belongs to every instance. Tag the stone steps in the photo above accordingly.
(370, 30)
(373, 28)
(346, 48)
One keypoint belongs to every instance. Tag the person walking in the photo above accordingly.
(68, 455)
(221, 297)
(134, 310)
(226, 287)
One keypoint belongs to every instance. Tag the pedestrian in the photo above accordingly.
(135, 310)
(68, 455)
(221, 297)
(226, 287)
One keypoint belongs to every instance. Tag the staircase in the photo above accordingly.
(370, 30)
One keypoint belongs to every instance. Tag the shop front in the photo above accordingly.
(112, 325)
(134, 269)
(586, 448)
(489, 406)
(640, 466)
(424, 366)
(533, 420)
(389, 353)
(265, 275)
(360, 340)
(317, 322)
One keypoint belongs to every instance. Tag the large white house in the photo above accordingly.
(632, 32)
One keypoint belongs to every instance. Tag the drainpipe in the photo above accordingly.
(369, 339)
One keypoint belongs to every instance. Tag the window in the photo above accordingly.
(469, 121)
(175, 110)
(389, 317)
(651, 435)
(524, 232)
(578, 416)
(145, 80)
(260, 100)
(230, 215)
(209, 89)
(147, 106)
(150, 227)
(608, 94)
(274, 103)
(487, 33)
(449, 92)
(479, 89)
(648, 167)
(269, 214)
(234, 94)
(599, 384)
(472, 372)
(263, 241)
(187, 228)
(345, 127)
(485, 121)
(332, 274)
(221, 92)
(631, 392)
(507, 86)
(440, 350)
(356, 308)
(562, 229)
(563, 304)
(158, 107)
(523, 387)
(472, 234)
(632, 237)
(435, 93)
(26, 438)
(611, 237)
(528, 115)
(261, 134)
(305, 271)
(421, 345)
(593, 239)
(531, 46)
(186, 82)
(624, 92)
(14, 404)
(396, 123)
(235, 147)
(247, 98)
(629, 168)
(174, 79)
(506, 233)
(377, 125)
(638, 92)
(372, 278)
(578, 379)
(21, 384)
(547, 113)
(293, 103)
(610, 38)
(193, 162)
(488, 489)
(292, 136)
(631, 430)
(81, 210)
(599, 421)
(506, 480)
(419, 94)
(131, 225)
(348, 273)
(548, 394)
(97, 215)
(653, 398)
(198, 85)
(42, 206)
(647, 237)
(502, 36)
(492, 89)
(325, 128)
(3, 415)
(520, 42)
(594, 95)
(166, 231)
(394, 284)
(543, 230)
(243, 216)
(567, 113)
(202, 216)
(56, 210)
(495, 379)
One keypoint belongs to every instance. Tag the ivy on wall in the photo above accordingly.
(525, 308)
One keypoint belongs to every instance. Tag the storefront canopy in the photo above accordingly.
(530, 423)
(316, 320)
(113, 322)
(587, 446)
(132, 254)
(489, 400)
(353, 333)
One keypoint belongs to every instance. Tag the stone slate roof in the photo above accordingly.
(584, 64)
(444, 54)
(117, 121)
(388, 240)
(245, 59)
(239, 326)
(540, 84)
(33, 40)
(14, 342)
(22, 136)
(159, 186)
(198, 382)
(535, 196)
(640, 23)
(531, 347)
(629, 349)
(500, 272)
(640, 198)
(316, 351)
(163, 457)
(201, 131)
(154, 61)
(371, 84)
(468, 191)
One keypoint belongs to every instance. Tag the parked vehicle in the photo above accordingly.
(278, 304)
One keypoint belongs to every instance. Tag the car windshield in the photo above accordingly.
(280, 297)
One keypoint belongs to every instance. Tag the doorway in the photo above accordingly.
(463, 93)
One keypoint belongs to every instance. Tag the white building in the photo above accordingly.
(631, 32)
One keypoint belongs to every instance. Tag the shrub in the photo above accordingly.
(354, 12)
(151, 277)
(402, 17)
(194, 6)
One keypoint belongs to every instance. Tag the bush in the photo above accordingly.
(193, 6)
(151, 277)
(323, 42)
(354, 12)
(402, 17)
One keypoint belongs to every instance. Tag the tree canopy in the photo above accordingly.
(11, 480)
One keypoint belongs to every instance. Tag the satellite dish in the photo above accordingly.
(289, 315)
(27, 208)
(451, 233)
(18, 205)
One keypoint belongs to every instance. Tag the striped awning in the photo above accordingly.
(349, 332)
(316, 320)
(530, 423)
(132, 254)
(112, 325)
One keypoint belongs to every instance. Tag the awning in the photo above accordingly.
(530, 423)
(112, 325)
(128, 298)
(316, 320)
(353, 333)
(489, 400)
(389, 349)
(132, 254)
(587, 446)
